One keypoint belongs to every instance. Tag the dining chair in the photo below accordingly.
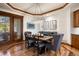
(28, 33)
(29, 40)
(55, 44)
(40, 46)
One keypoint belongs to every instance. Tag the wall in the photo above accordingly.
(74, 7)
(28, 18)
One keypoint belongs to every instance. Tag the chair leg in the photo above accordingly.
(60, 51)
(45, 50)
(56, 53)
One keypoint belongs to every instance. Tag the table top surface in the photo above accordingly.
(44, 37)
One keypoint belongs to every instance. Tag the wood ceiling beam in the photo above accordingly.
(37, 14)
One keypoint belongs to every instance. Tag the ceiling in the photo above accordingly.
(33, 8)
(4, 6)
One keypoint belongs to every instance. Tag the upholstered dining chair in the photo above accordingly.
(40, 46)
(28, 33)
(28, 40)
(56, 44)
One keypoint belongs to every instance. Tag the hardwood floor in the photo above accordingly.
(18, 49)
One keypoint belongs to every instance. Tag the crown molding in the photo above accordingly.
(40, 13)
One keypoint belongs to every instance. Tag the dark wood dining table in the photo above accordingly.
(44, 38)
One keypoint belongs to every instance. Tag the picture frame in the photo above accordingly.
(30, 26)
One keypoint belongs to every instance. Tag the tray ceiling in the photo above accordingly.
(36, 8)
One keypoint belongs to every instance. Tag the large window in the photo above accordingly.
(4, 24)
(4, 28)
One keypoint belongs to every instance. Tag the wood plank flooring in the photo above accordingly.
(18, 49)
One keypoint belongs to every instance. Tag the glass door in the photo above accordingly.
(17, 29)
(4, 29)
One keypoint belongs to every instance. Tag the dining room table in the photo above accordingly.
(44, 38)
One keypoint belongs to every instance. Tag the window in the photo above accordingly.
(4, 24)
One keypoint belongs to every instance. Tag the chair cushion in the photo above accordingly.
(30, 41)
(49, 46)
(41, 45)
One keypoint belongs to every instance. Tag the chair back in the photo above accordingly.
(57, 41)
(47, 33)
(27, 34)
(52, 33)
